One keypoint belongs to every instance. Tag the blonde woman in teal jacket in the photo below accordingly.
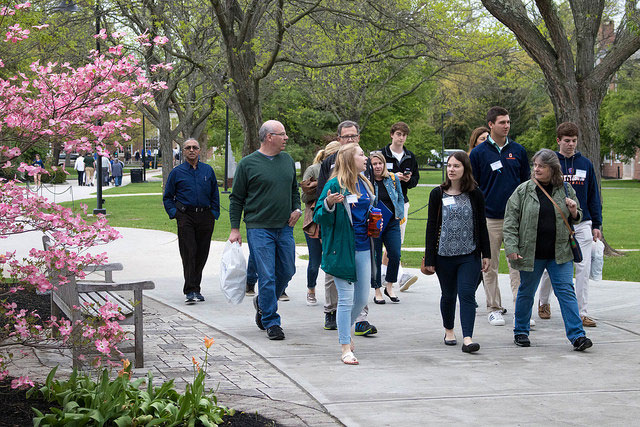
(342, 210)
(536, 238)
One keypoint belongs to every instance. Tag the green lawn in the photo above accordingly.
(620, 208)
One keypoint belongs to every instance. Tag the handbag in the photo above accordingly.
(423, 269)
(573, 243)
(310, 228)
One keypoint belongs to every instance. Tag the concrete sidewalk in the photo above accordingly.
(406, 375)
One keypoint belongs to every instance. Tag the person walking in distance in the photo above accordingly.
(191, 197)
(578, 171)
(79, 167)
(265, 188)
(499, 165)
(348, 132)
(403, 163)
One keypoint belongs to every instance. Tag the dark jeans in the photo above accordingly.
(252, 274)
(274, 252)
(391, 239)
(315, 258)
(194, 239)
(458, 276)
(81, 178)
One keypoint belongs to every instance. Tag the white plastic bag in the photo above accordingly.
(233, 273)
(597, 260)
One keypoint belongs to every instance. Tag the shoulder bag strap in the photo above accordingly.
(564, 218)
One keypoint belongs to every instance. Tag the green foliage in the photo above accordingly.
(620, 115)
(123, 402)
(542, 136)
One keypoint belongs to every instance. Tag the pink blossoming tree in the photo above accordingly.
(86, 108)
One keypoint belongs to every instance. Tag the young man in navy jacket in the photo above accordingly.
(499, 165)
(579, 172)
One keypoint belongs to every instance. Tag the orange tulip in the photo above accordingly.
(208, 342)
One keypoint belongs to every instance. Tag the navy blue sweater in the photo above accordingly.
(497, 184)
(578, 171)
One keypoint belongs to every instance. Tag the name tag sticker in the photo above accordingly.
(448, 201)
(581, 173)
(333, 166)
(352, 198)
(496, 165)
(389, 166)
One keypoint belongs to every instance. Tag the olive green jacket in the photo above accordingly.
(521, 225)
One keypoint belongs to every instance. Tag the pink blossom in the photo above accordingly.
(21, 382)
(103, 346)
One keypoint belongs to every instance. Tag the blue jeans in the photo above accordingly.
(273, 250)
(458, 276)
(391, 239)
(117, 180)
(315, 258)
(562, 281)
(352, 297)
(252, 274)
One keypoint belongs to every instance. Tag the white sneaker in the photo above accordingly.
(406, 281)
(311, 299)
(496, 319)
(532, 323)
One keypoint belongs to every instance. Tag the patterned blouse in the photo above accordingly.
(456, 234)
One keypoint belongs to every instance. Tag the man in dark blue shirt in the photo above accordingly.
(191, 197)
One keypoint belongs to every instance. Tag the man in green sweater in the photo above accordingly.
(266, 189)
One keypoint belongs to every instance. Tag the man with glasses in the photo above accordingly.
(348, 132)
(191, 197)
(266, 189)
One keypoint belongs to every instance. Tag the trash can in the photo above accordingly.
(136, 175)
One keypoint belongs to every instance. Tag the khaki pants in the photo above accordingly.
(88, 177)
(491, 288)
(331, 299)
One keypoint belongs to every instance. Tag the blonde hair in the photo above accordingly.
(331, 148)
(378, 155)
(346, 170)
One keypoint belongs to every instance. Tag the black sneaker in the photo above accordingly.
(275, 332)
(522, 340)
(199, 297)
(258, 313)
(250, 289)
(284, 297)
(330, 321)
(190, 298)
(365, 328)
(582, 343)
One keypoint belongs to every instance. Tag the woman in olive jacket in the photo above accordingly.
(536, 238)
(457, 246)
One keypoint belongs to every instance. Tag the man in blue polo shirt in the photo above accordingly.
(579, 172)
(191, 197)
(499, 165)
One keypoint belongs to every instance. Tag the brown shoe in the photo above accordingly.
(544, 311)
(588, 322)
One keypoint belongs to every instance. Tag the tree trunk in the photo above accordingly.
(246, 104)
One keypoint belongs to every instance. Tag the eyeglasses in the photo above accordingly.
(349, 136)
(191, 148)
(279, 134)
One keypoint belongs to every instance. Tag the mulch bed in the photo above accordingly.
(16, 408)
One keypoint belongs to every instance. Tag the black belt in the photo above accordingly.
(197, 209)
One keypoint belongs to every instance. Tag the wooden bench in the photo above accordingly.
(96, 293)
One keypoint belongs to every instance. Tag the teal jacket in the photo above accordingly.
(336, 232)
(521, 225)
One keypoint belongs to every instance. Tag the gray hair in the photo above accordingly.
(190, 139)
(347, 124)
(549, 158)
(266, 128)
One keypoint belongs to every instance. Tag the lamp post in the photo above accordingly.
(448, 113)
(70, 7)
(144, 149)
(226, 154)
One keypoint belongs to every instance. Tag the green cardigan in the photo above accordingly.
(338, 237)
(521, 225)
